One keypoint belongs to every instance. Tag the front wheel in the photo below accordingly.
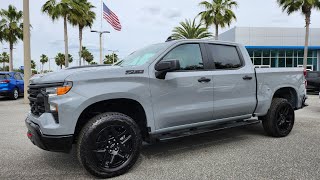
(109, 145)
(280, 118)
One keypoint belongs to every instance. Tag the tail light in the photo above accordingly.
(5, 81)
(305, 73)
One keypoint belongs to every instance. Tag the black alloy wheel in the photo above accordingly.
(285, 118)
(113, 147)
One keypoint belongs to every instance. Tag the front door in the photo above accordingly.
(184, 96)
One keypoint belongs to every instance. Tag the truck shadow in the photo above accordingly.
(68, 163)
(195, 142)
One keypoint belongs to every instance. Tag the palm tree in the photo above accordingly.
(62, 9)
(86, 55)
(4, 58)
(305, 7)
(82, 19)
(60, 59)
(11, 29)
(43, 59)
(218, 14)
(111, 58)
(190, 30)
(33, 64)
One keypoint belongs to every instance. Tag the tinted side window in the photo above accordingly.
(189, 56)
(225, 57)
(17, 76)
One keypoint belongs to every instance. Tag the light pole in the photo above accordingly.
(26, 48)
(100, 33)
(113, 53)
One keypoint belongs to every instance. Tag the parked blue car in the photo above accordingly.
(11, 84)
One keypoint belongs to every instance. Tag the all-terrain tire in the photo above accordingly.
(280, 118)
(101, 144)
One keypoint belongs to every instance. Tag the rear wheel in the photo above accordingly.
(15, 94)
(280, 118)
(109, 145)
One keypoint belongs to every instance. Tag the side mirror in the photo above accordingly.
(163, 67)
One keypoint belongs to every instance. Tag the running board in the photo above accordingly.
(201, 130)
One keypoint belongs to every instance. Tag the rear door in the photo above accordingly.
(234, 83)
(19, 82)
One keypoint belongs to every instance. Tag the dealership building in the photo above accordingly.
(277, 47)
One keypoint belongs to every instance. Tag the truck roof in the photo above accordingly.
(202, 41)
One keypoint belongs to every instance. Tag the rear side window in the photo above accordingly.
(17, 76)
(225, 57)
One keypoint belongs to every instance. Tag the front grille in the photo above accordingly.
(39, 99)
(36, 98)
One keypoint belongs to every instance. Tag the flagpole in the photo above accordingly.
(101, 14)
(101, 43)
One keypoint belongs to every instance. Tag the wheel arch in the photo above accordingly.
(289, 93)
(127, 106)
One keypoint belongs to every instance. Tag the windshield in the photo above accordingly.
(142, 56)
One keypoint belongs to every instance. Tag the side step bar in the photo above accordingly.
(201, 130)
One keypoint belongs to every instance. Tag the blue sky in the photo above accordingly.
(143, 22)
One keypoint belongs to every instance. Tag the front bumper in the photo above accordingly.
(46, 142)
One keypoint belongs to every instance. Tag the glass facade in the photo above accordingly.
(283, 58)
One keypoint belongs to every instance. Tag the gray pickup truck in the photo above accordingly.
(163, 91)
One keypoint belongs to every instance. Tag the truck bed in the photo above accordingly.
(270, 80)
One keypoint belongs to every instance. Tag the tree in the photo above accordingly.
(84, 18)
(111, 58)
(33, 64)
(43, 60)
(62, 9)
(11, 29)
(4, 58)
(190, 30)
(218, 14)
(305, 7)
(60, 59)
(86, 55)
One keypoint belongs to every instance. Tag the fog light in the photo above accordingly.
(53, 108)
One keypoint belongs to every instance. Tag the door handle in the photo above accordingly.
(247, 78)
(204, 80)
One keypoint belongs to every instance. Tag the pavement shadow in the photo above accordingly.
(2, 98)
(196, 142)
(65, 164)
(68, 163)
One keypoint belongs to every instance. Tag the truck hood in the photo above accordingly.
(62, 75)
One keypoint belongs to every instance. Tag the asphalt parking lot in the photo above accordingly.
(239, 153)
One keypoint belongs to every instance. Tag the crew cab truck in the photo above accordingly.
(163, 91)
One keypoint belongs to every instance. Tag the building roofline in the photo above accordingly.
(283, 47)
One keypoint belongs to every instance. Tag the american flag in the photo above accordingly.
(111, 17)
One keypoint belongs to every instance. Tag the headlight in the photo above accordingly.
(61, 90)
